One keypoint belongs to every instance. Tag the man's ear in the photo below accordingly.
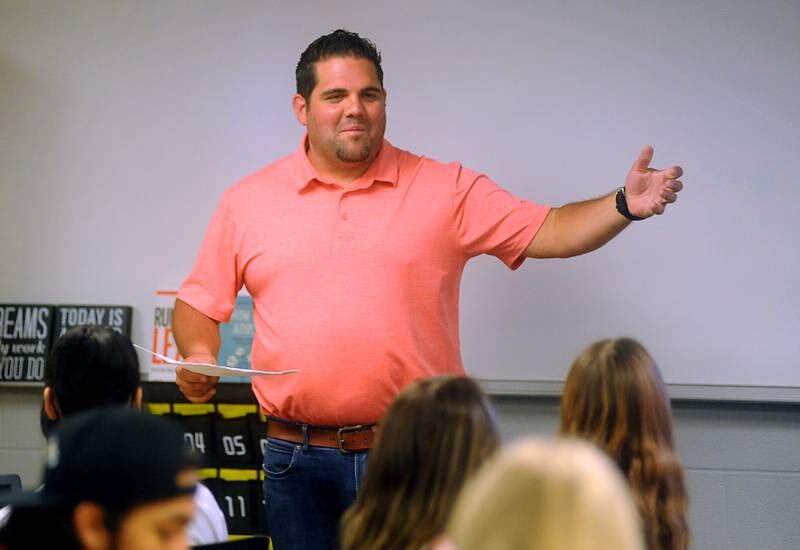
(49, 401)
(137, 399)
(299, 106)
(88, 519)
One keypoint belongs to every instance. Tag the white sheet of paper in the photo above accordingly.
(215, 370)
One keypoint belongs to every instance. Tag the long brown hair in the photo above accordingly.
(615, 397)
(434, 435)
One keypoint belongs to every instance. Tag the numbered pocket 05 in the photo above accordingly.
(234, 445)
(279, 457)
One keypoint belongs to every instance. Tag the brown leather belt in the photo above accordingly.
(348, 439)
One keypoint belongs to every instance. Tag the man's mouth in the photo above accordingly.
(352, 130)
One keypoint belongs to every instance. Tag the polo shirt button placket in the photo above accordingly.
(344, 228)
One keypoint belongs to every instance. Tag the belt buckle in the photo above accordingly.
(340, 436)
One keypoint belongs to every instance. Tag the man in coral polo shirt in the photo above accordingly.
(353, 252)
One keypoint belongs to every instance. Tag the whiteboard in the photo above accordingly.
(121, 123)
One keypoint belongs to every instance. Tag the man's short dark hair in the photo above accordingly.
(91, 366)
(339, 43)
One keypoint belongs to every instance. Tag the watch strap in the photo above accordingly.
(622, 206)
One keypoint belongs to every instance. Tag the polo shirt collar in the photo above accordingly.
(383, 169)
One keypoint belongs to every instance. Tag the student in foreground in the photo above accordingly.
(435, 434)
(115, 479)
(534, 495)
(615, 397)
(93, 366)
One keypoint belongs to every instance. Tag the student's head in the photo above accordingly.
(436, 433)
(115, 479)
(90, 366)
(563, 495)
(615, 397)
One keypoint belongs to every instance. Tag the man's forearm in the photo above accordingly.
(577, 228)
(195, 333)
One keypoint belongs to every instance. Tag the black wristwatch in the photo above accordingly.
(622, 206)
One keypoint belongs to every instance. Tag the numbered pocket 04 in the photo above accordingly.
(196, 441)
(279, 457)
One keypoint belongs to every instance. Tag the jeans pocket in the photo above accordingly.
(279, 457)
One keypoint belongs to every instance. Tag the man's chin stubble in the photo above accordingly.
(347, 156)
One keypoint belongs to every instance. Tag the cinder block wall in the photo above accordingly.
(742, 464)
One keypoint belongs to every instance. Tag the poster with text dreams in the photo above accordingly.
(25, 335)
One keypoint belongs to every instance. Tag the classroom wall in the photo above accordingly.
(100, 97)
(742, 464)
(742, 461)
(123, 122)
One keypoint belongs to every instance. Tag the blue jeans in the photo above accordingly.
(306, 491)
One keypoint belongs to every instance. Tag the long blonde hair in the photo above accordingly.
(434, 435)
(554, 495)
(615, 397)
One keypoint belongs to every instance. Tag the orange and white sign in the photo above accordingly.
(163, 342)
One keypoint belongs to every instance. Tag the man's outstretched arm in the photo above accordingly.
(581, 227)
(198, 341)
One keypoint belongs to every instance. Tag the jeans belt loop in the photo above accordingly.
(304, 427)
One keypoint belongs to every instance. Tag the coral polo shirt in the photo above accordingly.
(357, 288)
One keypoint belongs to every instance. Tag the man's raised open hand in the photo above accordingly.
(649, 190)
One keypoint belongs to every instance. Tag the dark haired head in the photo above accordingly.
(104, 463)
(433, 437)
(339, 43)
(91, 366)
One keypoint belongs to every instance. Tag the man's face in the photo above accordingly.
(346, 113)
(156, 526)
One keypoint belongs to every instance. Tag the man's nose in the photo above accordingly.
(354, 106)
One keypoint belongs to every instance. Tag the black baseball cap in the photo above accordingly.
(117, 457)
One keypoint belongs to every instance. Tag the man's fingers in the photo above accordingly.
(645, 157)
(669, 196)
(674, 185)
(203, 398)
(197, 388)
(197, 393)
(194, 387)
(674, 172)
(189, 376)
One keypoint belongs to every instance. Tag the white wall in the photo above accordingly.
(122, 122)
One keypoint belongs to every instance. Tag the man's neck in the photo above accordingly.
(341, 173)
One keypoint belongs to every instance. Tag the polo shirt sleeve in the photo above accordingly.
(217, 276)
(490, 220)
